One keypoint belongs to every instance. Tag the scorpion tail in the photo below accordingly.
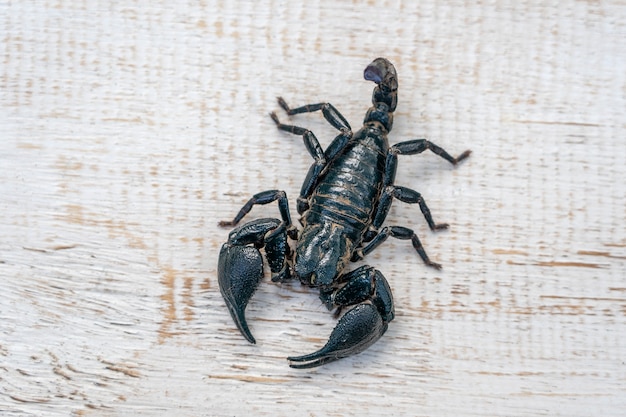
(240, 269)
(385, 95)
(357, 330)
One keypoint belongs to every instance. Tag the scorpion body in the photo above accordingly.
(342, 204)
(344, 201)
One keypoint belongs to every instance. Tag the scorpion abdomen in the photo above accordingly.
(343, 202)
(351, 186)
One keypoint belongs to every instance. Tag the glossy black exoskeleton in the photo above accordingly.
(344, 201)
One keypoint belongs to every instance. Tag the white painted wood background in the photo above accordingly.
(128, 129)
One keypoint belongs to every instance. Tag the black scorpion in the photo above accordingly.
(344, 201)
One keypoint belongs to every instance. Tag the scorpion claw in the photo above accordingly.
(240, 269)
(358, 329)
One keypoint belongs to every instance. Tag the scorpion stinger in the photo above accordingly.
(344, 202)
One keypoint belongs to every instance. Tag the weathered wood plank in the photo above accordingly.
(128, 131)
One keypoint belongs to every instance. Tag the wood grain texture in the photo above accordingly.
(129, 129)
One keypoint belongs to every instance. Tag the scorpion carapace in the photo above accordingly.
(344, 201)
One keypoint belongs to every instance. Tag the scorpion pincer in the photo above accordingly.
(344, 201)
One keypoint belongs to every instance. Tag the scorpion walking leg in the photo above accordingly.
(331, 114)
(412, 147)
(321, 158)
(402, 193)
(264, 197)
(398, 232)
(240, 266)
(362, 325)
(406, 195)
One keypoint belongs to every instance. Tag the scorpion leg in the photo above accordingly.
(240, 266)
(331, 114)
(362, 325)
(264, 197)
(405, 195)
(402, 193)
(413, 147)
(320, 157)
(398, 232)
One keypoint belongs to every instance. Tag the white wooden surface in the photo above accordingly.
(128, 129)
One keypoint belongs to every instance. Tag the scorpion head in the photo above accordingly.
(385, 95)
(321, 254)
